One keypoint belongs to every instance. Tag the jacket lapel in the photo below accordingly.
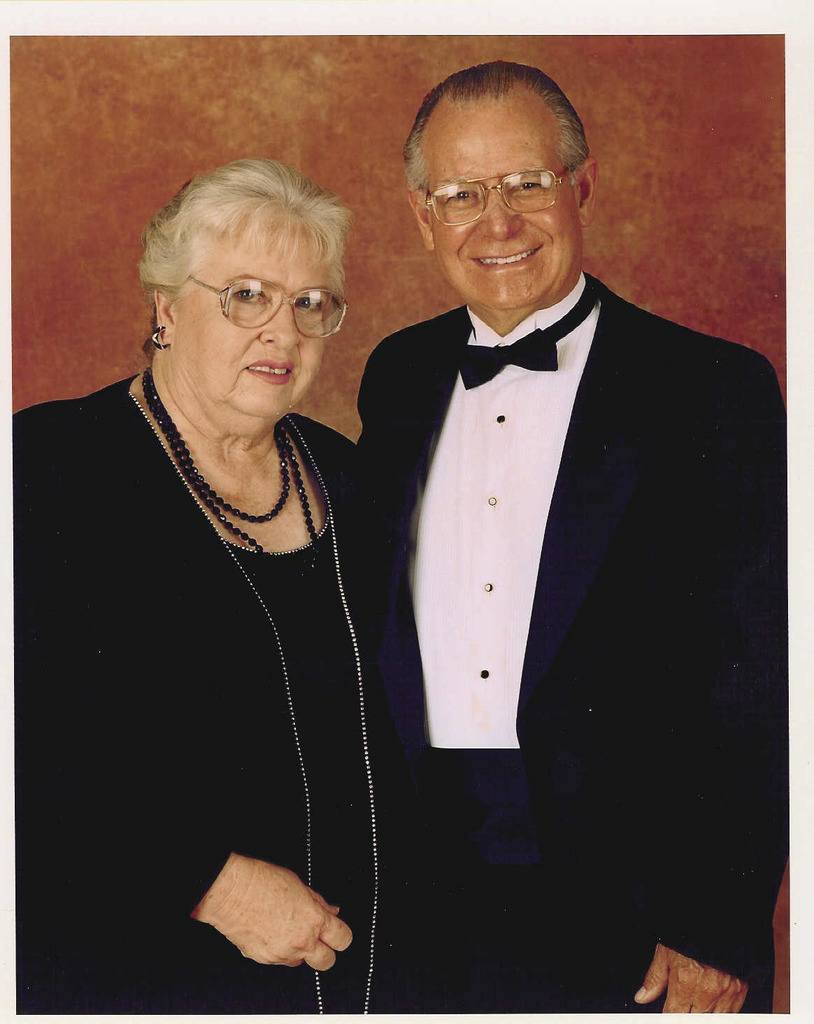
(597, 475)
(434, 362)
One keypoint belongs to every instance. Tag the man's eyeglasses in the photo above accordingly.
(461, 202)
(251, 302)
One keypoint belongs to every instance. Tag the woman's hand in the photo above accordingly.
(271, 916)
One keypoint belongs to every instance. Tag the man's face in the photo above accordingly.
(487, 139)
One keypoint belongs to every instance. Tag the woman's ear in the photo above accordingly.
(164, 313)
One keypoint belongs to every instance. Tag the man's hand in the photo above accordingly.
(691, 987)
(271, 916)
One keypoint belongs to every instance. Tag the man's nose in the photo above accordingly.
(497, 217)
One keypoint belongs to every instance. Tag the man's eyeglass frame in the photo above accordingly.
(429, 201)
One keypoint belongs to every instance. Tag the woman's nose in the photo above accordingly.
(282, 328)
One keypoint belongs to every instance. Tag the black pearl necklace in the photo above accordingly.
(218, 506)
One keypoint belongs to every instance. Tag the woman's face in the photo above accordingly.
(221, 371)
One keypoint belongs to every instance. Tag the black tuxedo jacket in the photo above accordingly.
(653, 713)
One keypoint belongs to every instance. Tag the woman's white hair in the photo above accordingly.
(253, 201)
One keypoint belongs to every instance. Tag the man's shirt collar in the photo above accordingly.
(482, 334)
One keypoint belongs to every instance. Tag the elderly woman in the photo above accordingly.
(200, 756)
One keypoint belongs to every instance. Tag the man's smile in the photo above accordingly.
(502, 261)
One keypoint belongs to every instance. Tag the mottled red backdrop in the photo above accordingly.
(688, 131)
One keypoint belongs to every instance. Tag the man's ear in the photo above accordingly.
(585, 188)
(424, 215)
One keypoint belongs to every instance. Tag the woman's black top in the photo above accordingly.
(154, 726)
(300, 591)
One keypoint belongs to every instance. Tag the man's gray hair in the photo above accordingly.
(496, 79)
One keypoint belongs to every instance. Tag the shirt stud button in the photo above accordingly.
(488, 588)
(484, 673)
(493, 501)
(501, 419)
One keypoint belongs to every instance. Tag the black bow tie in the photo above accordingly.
(537, 351)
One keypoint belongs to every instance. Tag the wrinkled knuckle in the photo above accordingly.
(307, 935)
(688, 971)
(711, 981)
(316, 919)
(297, 950)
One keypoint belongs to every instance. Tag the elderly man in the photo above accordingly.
(584, 633)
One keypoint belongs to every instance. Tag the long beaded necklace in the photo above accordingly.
(218, 506)
(367, 758)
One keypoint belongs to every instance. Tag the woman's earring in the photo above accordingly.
(157, 335)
